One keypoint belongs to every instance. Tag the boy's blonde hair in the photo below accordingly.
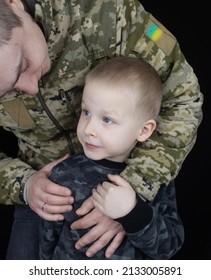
(133, 77)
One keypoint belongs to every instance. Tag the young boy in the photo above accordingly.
(120, 103)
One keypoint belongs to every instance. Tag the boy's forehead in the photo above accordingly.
(109, 92)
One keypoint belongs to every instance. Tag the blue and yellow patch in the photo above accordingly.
(154, 32)
(158, 34)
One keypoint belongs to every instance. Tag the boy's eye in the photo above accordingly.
(85, 112)
(107, 120)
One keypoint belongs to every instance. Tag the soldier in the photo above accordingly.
(45, 51)
(120, 104)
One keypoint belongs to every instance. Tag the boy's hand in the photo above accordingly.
(114, 199)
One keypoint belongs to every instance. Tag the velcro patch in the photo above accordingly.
(19, 113)
(160, 35)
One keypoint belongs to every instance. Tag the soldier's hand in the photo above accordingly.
(46, 198)
(103, 231)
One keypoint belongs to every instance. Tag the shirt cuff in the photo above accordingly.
(137, 218)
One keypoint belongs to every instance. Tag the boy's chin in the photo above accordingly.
(92, 155)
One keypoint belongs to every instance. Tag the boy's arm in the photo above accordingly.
(158, 231)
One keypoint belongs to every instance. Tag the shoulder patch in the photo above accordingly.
(19, 113)
(160, 35)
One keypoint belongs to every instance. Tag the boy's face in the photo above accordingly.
(24, 59)
(108, 126)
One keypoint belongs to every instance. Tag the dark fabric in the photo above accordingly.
(24, 239)
(159, 235)
(140, 220)
(30, 4)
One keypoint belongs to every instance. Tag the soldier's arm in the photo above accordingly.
(15, 173)
(16, 176)
(160, 158)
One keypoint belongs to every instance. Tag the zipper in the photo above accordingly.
(69, 105)
(56, 123)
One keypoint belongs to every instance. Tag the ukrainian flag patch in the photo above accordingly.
(154, 32)
(158, 34)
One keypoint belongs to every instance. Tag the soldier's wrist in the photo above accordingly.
(23, 195)
(23, 187)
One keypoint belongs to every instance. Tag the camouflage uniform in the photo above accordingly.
(79, 35)
(153, 230)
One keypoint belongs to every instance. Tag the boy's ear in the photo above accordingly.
(146, 131)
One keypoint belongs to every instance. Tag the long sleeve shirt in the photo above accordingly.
(153, 229)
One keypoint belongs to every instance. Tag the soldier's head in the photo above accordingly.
(24, 54)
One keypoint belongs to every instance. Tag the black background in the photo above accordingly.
(190, 23)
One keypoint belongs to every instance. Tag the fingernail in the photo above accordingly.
(88, 254)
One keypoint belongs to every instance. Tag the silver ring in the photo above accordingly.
(43, 206)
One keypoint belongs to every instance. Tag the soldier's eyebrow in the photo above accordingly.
(18, 73)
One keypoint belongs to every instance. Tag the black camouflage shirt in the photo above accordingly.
(153, 229)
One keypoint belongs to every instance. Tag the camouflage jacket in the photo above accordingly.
(79, 35)
(153, 230)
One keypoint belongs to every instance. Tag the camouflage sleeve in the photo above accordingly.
(13, 172)
(159, 159)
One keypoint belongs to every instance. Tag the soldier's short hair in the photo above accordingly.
(8, 21)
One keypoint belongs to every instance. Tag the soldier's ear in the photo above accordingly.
(17, 3)
(146, 131)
